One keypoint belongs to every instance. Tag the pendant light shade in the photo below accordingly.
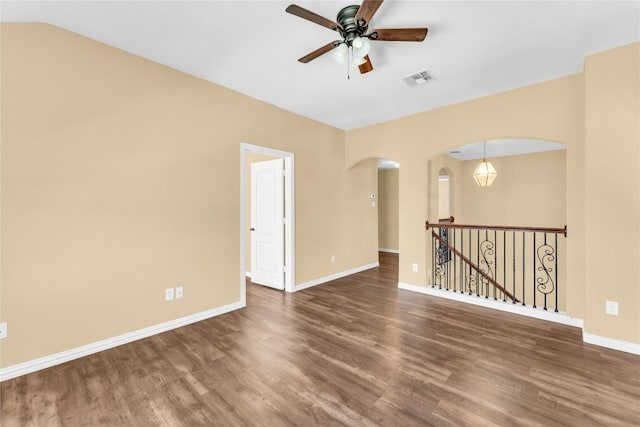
(485, 173)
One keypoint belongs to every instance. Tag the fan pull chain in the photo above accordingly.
(349, 56)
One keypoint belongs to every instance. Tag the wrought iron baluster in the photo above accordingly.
(545, 284)
(478, 281)
(545, 295)
(462, 282)
(504, 264)
(534, 270)
(557, 252)
(495, 261)
(486, 252)
(524, 295)
(513, 260)
(470, 277)
(449, 272)
(454, 260)
(433, 260)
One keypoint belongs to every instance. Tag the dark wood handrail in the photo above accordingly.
(562, 230)
(449, 220)
(474, 266)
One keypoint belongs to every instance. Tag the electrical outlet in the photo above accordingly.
(333, 259)
(414, 267)
(168, 294)
(611, 307)
(3, 330)
(179, 292)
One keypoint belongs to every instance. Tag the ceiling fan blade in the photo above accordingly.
(367, 9)
(365, 67)
(313, 17)
(318, 52)
(399, 34)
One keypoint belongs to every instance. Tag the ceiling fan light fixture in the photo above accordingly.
(361, 47)
(340, 52)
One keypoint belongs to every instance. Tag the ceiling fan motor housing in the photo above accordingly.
(350, 28)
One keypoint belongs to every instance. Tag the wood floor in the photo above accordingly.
(353, 352)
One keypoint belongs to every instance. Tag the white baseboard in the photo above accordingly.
(85, 350)
(247, 274)
(626, 346)
(391, 251)
(335, 276)
(509, 307)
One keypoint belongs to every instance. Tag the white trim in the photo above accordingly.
(509, 307)
(391, 251)
(626, 346)
(290, 224)
(335, 276)
(247, 274)
(85, 350)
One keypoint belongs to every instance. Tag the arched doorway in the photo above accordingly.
(388, 206)
(507, 242)
(444, 193)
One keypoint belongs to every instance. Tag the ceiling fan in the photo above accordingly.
(353, 26)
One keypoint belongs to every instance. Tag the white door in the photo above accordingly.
(267, 229)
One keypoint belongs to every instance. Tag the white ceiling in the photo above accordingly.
(385, 164)
(473, 48)
(494, 148)
(503, 147)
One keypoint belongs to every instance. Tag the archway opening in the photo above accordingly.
(507, 241)
(444, 194)
(388, 206)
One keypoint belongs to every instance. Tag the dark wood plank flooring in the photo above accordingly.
(354, 352)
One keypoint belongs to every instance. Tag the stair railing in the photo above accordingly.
(508, 263)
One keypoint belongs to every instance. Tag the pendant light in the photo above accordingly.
(485, 173)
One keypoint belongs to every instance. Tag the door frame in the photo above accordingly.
(289, 212)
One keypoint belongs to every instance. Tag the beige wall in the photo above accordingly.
(388, 214)
(355, 226)
(120, 178)
(530, 190)
(607, 93)
(612, 182)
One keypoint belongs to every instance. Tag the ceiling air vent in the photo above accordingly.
(419, 78)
